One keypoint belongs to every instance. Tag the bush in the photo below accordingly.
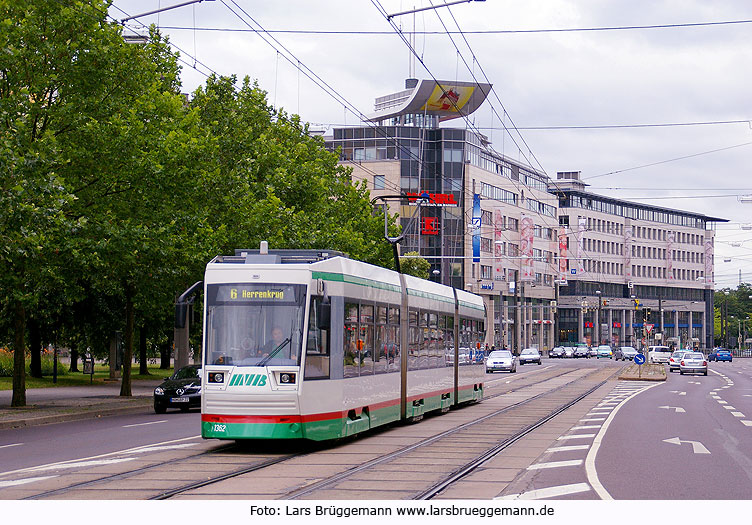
(6, 365)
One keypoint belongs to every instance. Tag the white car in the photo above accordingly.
(659, 354)
(628, 353)
(693, 363)
(501, 360)
(530, 355)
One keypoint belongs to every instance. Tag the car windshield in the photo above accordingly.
(500, 353)
(677, 354)
(694, 355)
(187, 372)
(254, 323)
(528, 351)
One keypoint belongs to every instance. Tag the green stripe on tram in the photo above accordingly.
(351, 279)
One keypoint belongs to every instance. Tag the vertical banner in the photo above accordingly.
(498, 219)
(628, 250)
(526, 248)
(670, 256)
(709, 260)
(562, 253)
(476, 228)
(581, 228)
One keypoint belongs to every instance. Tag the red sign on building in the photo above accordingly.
(430, 226)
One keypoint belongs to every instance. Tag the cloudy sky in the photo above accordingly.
(694, 68)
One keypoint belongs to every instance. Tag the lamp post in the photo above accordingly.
(598, 318)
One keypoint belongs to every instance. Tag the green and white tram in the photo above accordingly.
(313, 345)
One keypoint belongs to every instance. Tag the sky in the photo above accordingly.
(680, 73)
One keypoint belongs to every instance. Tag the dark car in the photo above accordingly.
(581, 351)
(181, 390)
(557, 351)
(720, 354)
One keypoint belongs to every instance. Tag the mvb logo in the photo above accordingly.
(248, 380)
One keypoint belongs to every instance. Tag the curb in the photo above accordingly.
(629, 374)
(137, 406)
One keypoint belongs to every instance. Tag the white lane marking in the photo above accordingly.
(729, 407)
(550, 492)
(737, 414)
(585, 427)
(15, 482)
(163, 447)
(677, 410)
(593, 419)
(717, 397)
(90, 463)
(721, 401)
(695, 383)
(144, 424)
(697, 447)
(575, 436)
(678, 392)
(601, 409)
(555, 464)
(11, 445)
(74, 461)
(568, 448)
(746, 423)
(592, 474)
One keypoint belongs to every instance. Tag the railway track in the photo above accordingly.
(513, 407)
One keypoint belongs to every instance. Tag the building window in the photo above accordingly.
(378, 182)
(486, 272)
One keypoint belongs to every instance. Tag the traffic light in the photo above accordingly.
(646, 313)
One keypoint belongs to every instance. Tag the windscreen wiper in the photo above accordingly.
(274, 352)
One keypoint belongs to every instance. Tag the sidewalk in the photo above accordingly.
(71, 403)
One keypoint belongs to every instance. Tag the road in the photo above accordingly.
(686, 438)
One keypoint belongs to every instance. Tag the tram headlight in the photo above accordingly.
(287, 378)
(216, 377)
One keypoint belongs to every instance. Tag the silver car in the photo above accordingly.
(502, 361)
(675, 359)
(530, 355)
(693, 363)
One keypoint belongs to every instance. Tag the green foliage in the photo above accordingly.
(415, 265)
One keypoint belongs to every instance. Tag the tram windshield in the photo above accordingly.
(254, 324)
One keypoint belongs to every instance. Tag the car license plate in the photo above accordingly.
(179, 399)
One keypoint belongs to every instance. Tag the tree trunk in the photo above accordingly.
(125, 385)
(19, 357)
(74, 360)
(35, 348)
(142, 359)
(164, 355)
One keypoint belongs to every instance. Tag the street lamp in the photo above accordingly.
(598, 317)
(418, 10)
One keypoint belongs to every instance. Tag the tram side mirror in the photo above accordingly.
(324, 314)
(181, 314)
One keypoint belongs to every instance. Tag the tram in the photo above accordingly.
(302, 344)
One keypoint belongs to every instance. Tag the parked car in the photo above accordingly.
(181, 390)
(625, 353)
(581, 351)
(530, 355)
(568, 351)
(557, 351)
(720, 354)
(605, 351)
(659, 354)
(693, 363)
(592, 350)
(501, 360)
(675, 359)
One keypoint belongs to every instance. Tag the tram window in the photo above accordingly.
(381, 314)
(413, 352)
(366, 313)
(394, 315)
(379, 350)
(442, 321)
(449, 346)
(393, 349)
(425, 345)
(365, 345)
(317, 349)
(423, 318)
(351, 353)
(413, 317)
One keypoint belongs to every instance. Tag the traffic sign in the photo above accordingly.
(649, 327)
(639, 359)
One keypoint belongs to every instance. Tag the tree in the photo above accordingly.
(413, 264)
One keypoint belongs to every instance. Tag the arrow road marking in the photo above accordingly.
(695, 383)
(697, 447)
(678, 392)
(677, 410)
